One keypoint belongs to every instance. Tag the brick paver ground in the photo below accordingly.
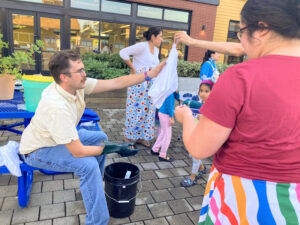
(56, 199)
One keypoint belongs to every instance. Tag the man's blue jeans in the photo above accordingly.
(89, 169)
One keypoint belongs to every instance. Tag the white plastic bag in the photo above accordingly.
(167, 81)
(9, 157)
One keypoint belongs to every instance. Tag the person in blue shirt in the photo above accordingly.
(209, 70)
(166, 119)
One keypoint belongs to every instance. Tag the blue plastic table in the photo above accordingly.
(9, 110)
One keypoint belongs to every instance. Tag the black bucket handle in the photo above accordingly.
(126, 201)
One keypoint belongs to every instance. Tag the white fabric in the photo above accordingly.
(167, 80)
(9, 157)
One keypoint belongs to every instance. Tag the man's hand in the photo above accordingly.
(153, 73)
(182, 37)
(78, 150)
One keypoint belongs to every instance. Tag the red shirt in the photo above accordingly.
(260, 101)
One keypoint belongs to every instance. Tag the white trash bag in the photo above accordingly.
(166, 82)
(9, 157)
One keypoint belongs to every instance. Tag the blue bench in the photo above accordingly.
(25, 181)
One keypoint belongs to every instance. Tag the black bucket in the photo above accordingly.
(121, 181)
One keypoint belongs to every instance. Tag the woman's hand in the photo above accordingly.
(132, 71)
(182, 37)
(153, 73)
(181, 112)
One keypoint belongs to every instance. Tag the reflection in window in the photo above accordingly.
(50, 35)
(234, 27)
(50, 2)
(166, 46)
(149, 12)
(114, 37)
(115, 7)
(175, 15)
(23, 34)
(84, 35)
(139, 33)
(86, 4)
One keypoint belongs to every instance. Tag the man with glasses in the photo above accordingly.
(51, 140)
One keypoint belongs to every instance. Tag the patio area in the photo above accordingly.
(56, 199)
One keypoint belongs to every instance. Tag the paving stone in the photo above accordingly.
(13, 180)
(194, 216)
(164, 165)
(63, 196)
(151, 158)
(179, 220)
(63, 176)
(179, 156)
(141, 212)
(179, 192)
(117, 221)
(158, 221)
(52, 211)
(4, 180)
(1, 201)
(148, 175)
(71, 183)
(137, 223)
(176, 181)
(162, 183)
(196, 190)
(8, 191)
(43, 222)
(160, 209)
(149, 166)
(75, 208)
(5, 217)
(38, 176)
(195, 202)
(70, 220)
(108, 162)
(163, 173)
(144, 198)
(10, 203)
(82, 218)
(147, 186)
(161, 195)
(44, 198)
(36, 187)
(179, 172)
(179, 163)
(78, 195)
(25, 215)
(180, 206)
(137, 159)
(54, 185)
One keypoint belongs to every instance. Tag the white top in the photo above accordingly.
(143, 59)
(56, 118)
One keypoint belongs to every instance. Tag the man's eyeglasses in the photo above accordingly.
(81, 71)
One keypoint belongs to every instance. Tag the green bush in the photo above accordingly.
(107, 66)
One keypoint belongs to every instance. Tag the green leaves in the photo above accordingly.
(14, 63)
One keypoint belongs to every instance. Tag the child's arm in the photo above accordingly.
(172, 121)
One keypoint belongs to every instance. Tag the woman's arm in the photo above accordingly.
(228, 48)
(202, 139)
(134, 50)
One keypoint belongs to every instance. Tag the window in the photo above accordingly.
(177, 16)
(49, 2)
(115, 7)
(166, 46)
(149, 12)
(139, 33)
(234, 27)
(84, 35)
(87, 4)
(114, 37)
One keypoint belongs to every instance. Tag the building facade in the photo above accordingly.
(227, 24)
(102, 25)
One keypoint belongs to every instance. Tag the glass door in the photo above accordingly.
(29, 27)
